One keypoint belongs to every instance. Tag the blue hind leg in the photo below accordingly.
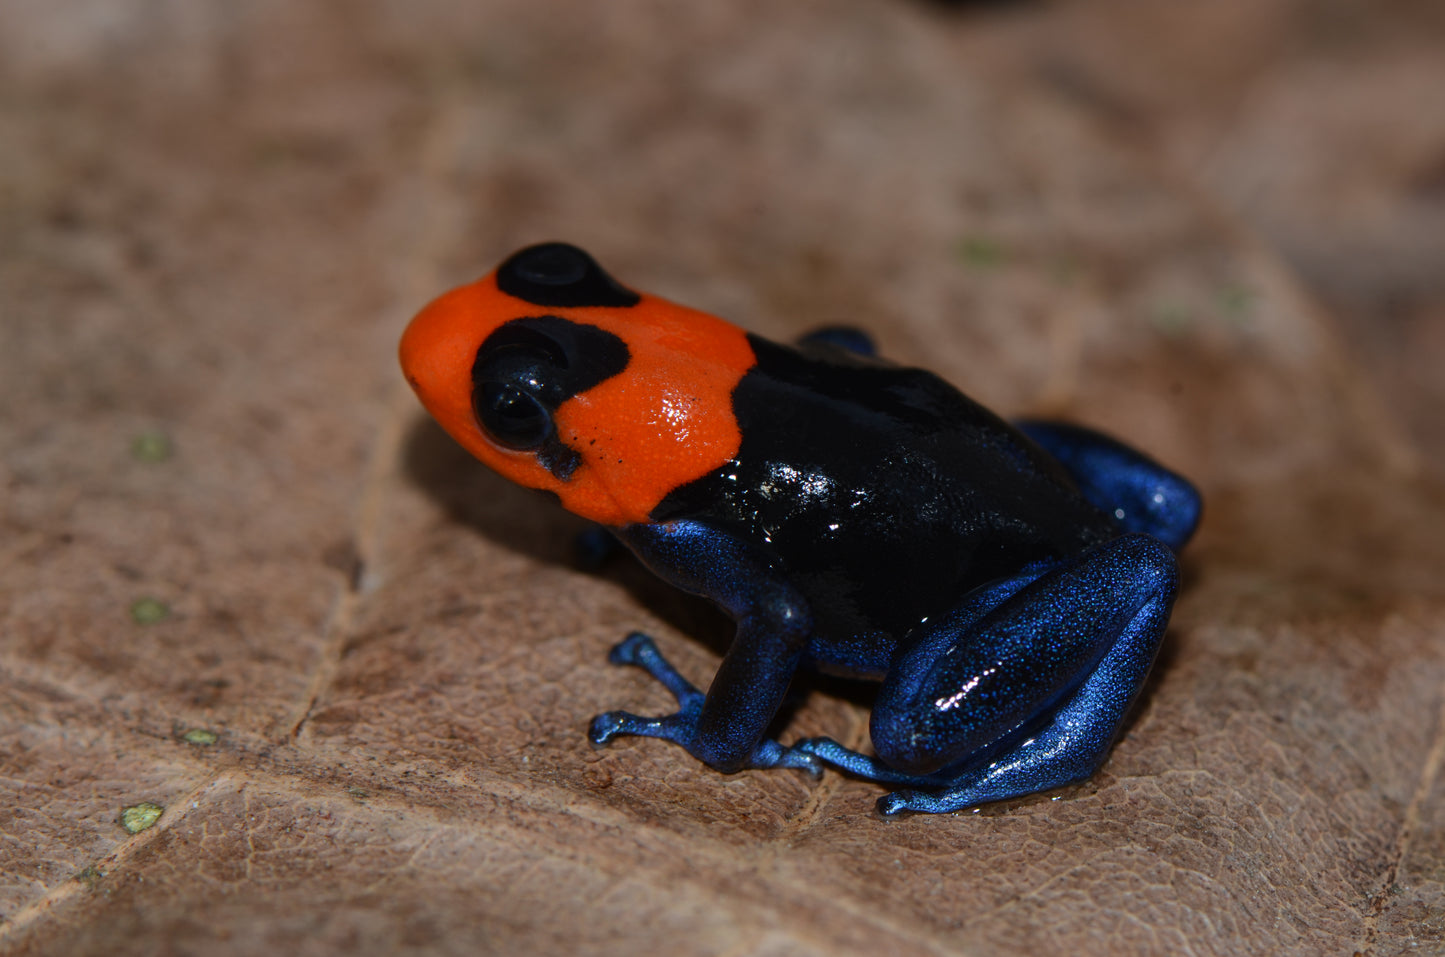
(1026, 697)
(1142, 495)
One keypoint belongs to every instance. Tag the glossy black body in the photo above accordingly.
(882, 494)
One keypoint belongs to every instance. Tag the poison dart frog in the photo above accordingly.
(1008, 584)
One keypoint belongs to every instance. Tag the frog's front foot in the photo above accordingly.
(639, 650)
(680, 727)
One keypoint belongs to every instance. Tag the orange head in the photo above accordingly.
(559, 378)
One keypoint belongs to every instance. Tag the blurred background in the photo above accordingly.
(1313, 127)
(344, 672)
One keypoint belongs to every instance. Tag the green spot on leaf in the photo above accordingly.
(980, 253)
(138, 817)
(200, 736)
(148, 611)
(89, 875)
(1172, 319)
(1065, 272)
(151, 447)
(1237, 302)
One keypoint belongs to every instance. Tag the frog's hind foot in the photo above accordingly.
(860, 765)
(979, 786)
(942, 792)
(922, 802)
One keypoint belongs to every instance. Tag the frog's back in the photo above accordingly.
(884, 492)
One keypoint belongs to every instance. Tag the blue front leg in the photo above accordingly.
(724, 728)
(1025, 698)
(681, 726)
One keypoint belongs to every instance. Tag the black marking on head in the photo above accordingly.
(526, 369)
(556, 274)
(558, 459)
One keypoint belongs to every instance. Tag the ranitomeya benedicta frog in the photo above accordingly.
(1008, 584)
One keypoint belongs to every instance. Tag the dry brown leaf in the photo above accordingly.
(242, 578)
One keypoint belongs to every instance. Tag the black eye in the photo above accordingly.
(510, 416)
(526, 369)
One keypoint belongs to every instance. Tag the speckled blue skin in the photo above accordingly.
(1008, 585)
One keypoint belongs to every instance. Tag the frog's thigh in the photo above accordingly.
(1080, 639)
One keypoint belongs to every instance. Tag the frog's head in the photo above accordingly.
(560, 378)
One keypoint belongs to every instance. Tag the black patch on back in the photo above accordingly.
(558, 274)
(883, 492)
